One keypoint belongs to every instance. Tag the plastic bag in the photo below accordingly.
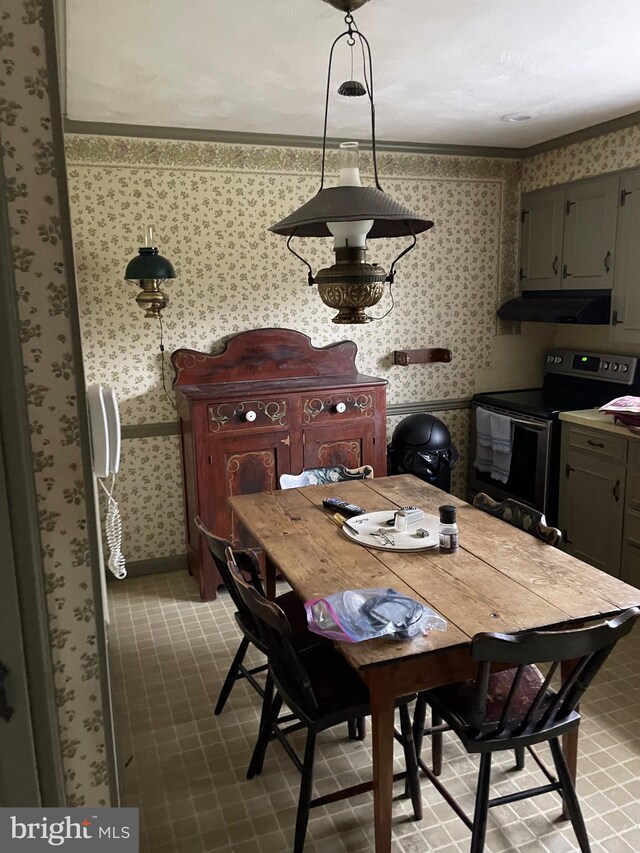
(362, 614)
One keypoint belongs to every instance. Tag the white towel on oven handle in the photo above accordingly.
(494, 444)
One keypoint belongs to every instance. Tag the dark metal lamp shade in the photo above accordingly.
(346, 5)
(352, 204)
(149, 265)
(352, 89)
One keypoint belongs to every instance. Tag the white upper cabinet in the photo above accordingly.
(568, 236)
(625, 316)
(541, 239)
(591, 210)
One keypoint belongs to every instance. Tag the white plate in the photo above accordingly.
(408, 540)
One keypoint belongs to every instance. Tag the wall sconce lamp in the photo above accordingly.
(349, 212)
(149, 270)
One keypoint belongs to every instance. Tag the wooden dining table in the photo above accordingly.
(500, 579)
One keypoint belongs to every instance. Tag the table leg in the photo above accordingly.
(269, 578)
(382, 720)
(570, 739)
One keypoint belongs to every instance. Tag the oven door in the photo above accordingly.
(530, 462)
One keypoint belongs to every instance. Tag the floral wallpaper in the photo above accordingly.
(43, 283)
(149, 490)
(211, 205)
(607, 153)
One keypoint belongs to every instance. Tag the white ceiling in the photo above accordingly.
(445, 70)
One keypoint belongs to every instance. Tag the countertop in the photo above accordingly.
(595, 419)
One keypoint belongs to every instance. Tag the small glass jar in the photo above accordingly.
(448, 530)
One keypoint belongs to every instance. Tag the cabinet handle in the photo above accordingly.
(568, 469)
(607, 262)
(340, 408)
(250, 416)
(554, 265)
(594, 443)
(614, 319)
(616, 490)
(565, 272)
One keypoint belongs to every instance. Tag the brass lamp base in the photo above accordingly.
(351, 285)
(151, 299)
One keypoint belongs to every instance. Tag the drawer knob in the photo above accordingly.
(250, 416)
(341, 407)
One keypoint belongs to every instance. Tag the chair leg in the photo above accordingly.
(361, 728)
(419, 716)
(267, 699)
(306, 789)
(260, 749)
(519, 753)
(351, 727)
(482, 804)
(411, 761)
(570, 796)
(436, 744)
(232, 675)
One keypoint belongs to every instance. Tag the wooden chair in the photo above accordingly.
(515, 707)
(320, 476)
(322, 691)
(289, 602)
(519, 515)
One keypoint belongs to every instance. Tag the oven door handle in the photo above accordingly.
(536, 425)
(530, 424)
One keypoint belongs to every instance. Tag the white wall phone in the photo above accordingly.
(104, 423)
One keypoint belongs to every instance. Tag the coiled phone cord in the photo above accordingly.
(113, 531)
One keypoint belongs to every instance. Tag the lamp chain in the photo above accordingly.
(164, 384)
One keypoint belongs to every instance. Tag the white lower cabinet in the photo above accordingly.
(631, 543)
(599, 501)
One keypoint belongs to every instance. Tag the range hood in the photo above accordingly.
(585, 307)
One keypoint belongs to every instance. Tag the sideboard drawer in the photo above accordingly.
(334, 407)
(247, 414)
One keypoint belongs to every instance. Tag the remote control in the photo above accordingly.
(342, 506)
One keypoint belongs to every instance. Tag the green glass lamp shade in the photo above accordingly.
(352, 204)
(149, 264)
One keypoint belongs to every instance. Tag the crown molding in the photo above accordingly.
(97, 128)
(610, 126)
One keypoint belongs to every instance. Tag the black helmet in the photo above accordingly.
(421, 432)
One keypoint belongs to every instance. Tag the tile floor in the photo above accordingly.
(185, 768)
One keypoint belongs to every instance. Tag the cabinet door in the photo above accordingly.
(541, 240)
(591, 510)
(238, 465)
(631, 544)
(591, 211)
(349, 443)
(626, 283)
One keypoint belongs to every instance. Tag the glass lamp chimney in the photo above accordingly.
(350, 234)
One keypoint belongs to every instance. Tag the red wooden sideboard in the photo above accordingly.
(270, 403)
